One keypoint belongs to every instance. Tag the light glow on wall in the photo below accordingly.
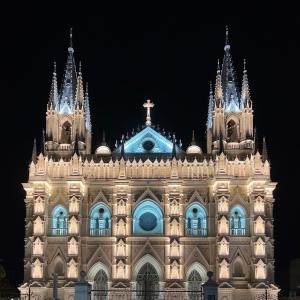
(38, 247)
(37, 269)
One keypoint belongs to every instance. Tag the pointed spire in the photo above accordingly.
(34, 152)
(230, 95)
(210, 107)
(218, 87)
(79, 89)
(227, 46)
(174, 147)
(43, 142)
(264, 151)
(87, 112)
(68, 89)
(245, 98)
(71, 41)
(53, 97)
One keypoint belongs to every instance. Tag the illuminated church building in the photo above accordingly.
(150, 214)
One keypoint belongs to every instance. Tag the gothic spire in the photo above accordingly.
(210, 107)
(53, 97)
(245, 98)
(69, 81)
(218, 88)
(230, 94)
(264, 151)
(87, 112)
(79, 89)
(34, 152)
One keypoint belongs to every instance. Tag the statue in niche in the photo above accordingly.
(232, 135)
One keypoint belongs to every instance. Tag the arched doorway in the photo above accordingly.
(100, 286)
(194, 285)
(147, 283)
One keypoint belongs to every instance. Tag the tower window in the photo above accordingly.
(59, 221)
(195, 221)
(237, 220)
(100, 221)
(66, 133)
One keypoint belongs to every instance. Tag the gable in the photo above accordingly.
(148, 141)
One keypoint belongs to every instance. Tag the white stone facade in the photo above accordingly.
(66, 235)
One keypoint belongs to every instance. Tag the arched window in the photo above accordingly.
(238, 270)
(195, 286)
(195, 220)
(59, 221)
(100, 286)
(237, 220)
(66, 133)
(147, 281)
(147, 219)
(100, 220)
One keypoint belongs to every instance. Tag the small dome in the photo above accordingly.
(193, 149)
(103, 150)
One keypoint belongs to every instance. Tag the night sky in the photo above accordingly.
(168, 54)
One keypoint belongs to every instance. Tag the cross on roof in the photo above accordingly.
(148, 105)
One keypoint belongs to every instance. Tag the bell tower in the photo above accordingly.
(68, 124)
(230, 113)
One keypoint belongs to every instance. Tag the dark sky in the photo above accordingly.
(169, 54)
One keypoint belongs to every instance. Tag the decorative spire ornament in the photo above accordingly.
(264, 151)
(210, 107)
(218, 87)
(87, 113)
(245, 97)
(53, 97)
(79, 89)
(148, 105)
(34, 152)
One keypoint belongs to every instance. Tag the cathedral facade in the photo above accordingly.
(150, 216)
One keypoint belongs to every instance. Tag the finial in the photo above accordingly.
(245, 69)
(210, 88)
(193, 138)
(227, 46)
(148, 105)
(103, 138)
(70, 49)
(54, 68)
(79, 69)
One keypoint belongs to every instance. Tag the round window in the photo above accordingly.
(148, 221)
(148, 145)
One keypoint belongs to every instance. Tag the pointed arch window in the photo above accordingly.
(237, 220)
(194, 285)
(59, 221)
(195, 220)
(100, 220)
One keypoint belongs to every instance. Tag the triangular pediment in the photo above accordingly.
(148, 141)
